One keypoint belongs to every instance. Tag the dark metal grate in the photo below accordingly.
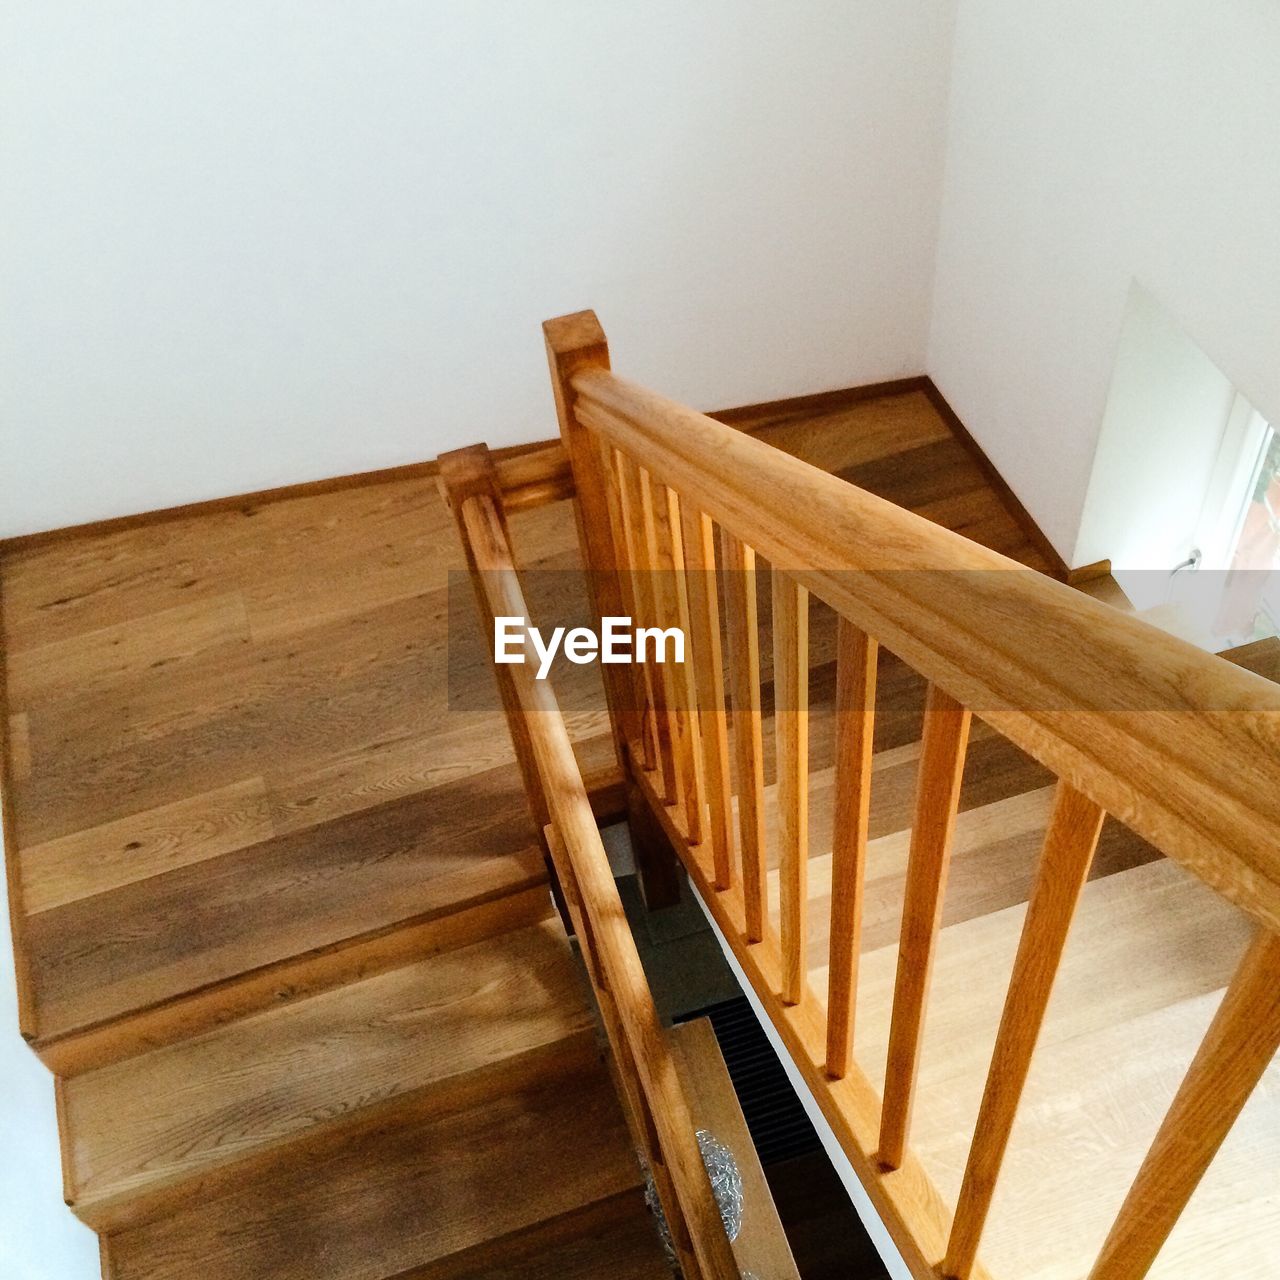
(775, 1118)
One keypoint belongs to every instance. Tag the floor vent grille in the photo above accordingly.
(775, 1118)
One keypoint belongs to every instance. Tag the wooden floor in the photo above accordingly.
(253, 755)
(1149, 956)
(214, 718)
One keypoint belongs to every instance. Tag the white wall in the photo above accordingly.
(249, 244)
(1092, 142)
(39, 1238)
(1162, 431)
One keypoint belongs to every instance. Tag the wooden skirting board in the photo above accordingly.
(528, 480)
(1061, 569)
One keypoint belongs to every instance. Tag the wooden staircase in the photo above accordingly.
(283, 921)
(442, 1117)
(284, 927)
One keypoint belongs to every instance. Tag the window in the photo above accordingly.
(1239, 529)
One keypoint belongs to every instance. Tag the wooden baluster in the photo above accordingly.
(942, 751)
(704, 637)
(641, 725)
(791, 720)
(672, 544)
(626, 1075)
(1238, 1047)
(628, 500)
(657, 529)
(855, 721)
(1069, 844)
(636, 712)
(633, 504)
(742, 630)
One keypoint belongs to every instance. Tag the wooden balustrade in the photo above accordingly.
(707, 664)
(656, 1102)
(1179, 746)
(1182, 747)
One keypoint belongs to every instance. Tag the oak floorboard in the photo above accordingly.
(375, 1206)
(135, 648)
(620, 1243)
(144, 943)
(1147, 958)
(98, 859)
(154, 1123)
(314, 646)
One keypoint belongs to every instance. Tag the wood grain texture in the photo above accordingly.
(140, 812)
(742, 631)
(99, 859)
(370, 1207)
(1074, 827)
(336, 701)
(614, 1238)
(676, 611)
(1179, 745)
(791, 697)
(297, 978)
(1240, 1045)
(699, 545)
(464, 472)
(637, 711)
(1109, 1057)
(96, 659)
(905, 1199)
(273, 903)
(656, 526)
(855, 736)
(146, 1132)
(642, 1034)
(574, 344)
(942, 752)
(761, 1247)
(641, 556)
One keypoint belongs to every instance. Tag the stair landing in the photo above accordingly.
(216, 717)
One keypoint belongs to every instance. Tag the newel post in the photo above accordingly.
(574, 343)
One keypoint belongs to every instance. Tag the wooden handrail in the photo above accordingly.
(1179, 745)
(1175, 743)
(574, 825)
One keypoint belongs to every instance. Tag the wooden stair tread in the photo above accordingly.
(1149, 953)
(138, 1131)
(165, 936)
(401, 1196)
(612, 1240)
(994, 855)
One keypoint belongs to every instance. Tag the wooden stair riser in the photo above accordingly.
(297, 978)
(438, 1035)
(544, 1064)
(400, 1197)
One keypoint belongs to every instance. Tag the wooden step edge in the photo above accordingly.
(511, 1249)
(119, 1208)
(295, 978)
(418, 1135)
(761, 1246)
